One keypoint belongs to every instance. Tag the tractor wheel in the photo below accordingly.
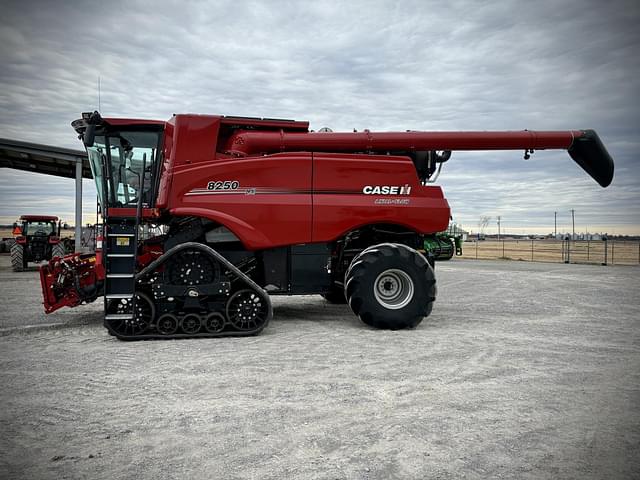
(58, 250)
(335, 295)
(452, 245)
(17, 257)
(390, 286)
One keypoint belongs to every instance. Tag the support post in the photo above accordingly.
(613, 244)
(532, 249)
(78, 233)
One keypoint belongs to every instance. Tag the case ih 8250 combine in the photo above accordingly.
(252, 207)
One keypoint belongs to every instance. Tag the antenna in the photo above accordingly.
(99, 106)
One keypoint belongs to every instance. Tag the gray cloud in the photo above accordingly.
(379, 65)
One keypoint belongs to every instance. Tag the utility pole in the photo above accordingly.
(573, 222)
(555, 224)
(499, 217)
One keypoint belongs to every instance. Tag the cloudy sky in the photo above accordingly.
(449, 65)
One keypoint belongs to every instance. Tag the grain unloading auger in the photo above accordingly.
(584, 146)
(245, 208)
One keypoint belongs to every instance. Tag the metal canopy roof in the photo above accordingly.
(34, 157)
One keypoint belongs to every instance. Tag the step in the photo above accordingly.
(114, 296)
(120, 275)
(120, 255)
(119, 316)
(120, 234)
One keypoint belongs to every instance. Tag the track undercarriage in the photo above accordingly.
(189, 291)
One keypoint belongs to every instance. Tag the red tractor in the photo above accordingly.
(37, 239)
(245, 208)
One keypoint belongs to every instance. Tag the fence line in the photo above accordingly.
(611, 252)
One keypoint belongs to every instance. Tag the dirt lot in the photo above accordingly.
(523, 370)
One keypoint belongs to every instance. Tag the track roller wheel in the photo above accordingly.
(131, 325)
(191, 323)
(214, 322)
(390, 286)
(167, 324)
(246, 310)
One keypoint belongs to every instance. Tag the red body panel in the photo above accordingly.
(270, 207)
(339, 204)
(288, 198)
(291, 198)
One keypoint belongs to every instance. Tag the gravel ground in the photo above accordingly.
(522, 371)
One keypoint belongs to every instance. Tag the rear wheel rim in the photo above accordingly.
(393, 289)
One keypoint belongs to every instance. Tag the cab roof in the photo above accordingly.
(35, 218)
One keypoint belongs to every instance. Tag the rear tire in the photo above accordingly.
(58, 250)
(390, 286)
(17, 257)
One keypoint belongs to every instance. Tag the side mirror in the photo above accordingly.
(91, 121)
(89, 135)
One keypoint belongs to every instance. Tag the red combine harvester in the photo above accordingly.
(246, 208)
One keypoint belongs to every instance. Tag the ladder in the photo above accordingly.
(121, 242)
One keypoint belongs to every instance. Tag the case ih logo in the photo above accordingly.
(387, 189)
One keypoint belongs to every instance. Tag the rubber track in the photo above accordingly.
(210, 251)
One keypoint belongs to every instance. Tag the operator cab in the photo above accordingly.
(124, 159)
(38, 226)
